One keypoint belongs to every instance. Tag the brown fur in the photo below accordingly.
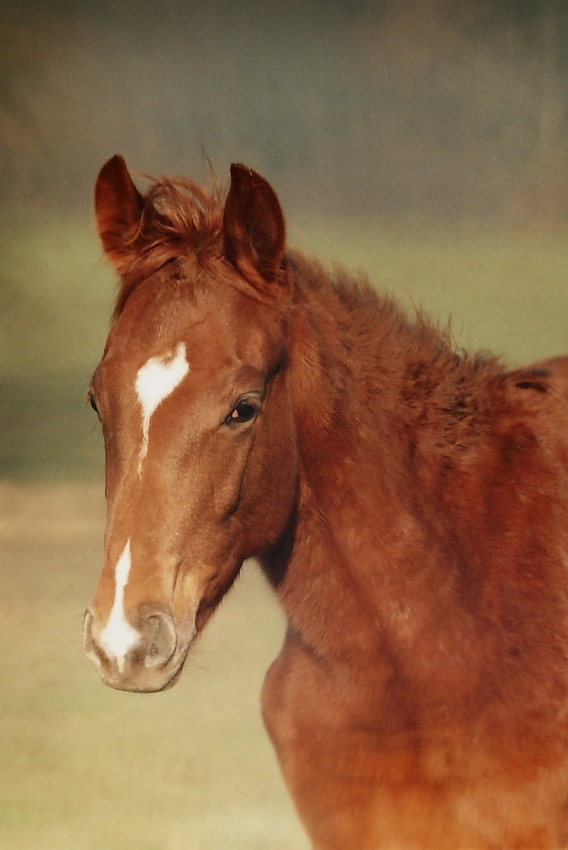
(408, 502)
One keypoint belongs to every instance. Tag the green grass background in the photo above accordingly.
(506, 292)
(86, 768)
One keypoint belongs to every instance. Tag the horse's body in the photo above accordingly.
(408, 504)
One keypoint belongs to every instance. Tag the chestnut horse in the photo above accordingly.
(408, 504)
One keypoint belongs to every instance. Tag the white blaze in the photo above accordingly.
(155, 381)
(118, 636)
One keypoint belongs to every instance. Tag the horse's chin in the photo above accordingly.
(145, 686)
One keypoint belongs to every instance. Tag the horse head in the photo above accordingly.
(195, 409)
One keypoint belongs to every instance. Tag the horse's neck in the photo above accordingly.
(367, 387)
(346, 382)
(347, 376)
(373, 389)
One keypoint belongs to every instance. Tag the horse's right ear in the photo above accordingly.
(118, 210)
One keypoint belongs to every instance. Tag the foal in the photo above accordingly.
(408, 504)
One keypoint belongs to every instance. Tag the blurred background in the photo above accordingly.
(388, 129)
(423, 142)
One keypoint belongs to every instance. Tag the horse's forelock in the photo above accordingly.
(180, 219)
(182, 210)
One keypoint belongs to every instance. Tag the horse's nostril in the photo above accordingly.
(160, 641)
(90, 646)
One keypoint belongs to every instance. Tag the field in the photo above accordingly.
(86, 768)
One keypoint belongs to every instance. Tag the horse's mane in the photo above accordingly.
(180, 219)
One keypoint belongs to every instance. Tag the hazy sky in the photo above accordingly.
(443, 107)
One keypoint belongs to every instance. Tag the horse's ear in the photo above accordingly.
(118, 210)
(254, 229)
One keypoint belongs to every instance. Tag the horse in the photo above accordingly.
(406, 500)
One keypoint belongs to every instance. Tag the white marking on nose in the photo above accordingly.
(155, 381)
(118, 636)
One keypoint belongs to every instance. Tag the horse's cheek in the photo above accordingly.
(268, 497)
(280, 482)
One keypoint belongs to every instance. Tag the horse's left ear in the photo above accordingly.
(255, 234)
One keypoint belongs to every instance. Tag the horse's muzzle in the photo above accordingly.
(150, 662)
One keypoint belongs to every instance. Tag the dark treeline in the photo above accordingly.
(451, 109)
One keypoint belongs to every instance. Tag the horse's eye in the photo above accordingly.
(244, 411)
